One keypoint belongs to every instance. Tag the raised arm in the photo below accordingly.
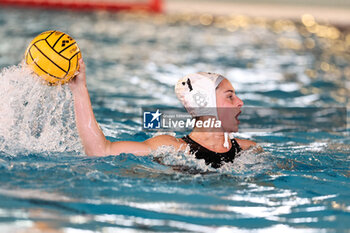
(93, 139)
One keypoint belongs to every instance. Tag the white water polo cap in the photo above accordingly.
(197, 93)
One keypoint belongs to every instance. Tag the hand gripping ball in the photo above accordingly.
(54, 56)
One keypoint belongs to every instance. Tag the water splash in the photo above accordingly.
(35, 118)
(248, 161)
(181, 160)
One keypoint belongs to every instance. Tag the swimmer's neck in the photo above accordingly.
(209, 138)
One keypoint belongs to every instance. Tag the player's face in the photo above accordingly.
(228, 106)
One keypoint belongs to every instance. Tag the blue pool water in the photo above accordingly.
(300, 183)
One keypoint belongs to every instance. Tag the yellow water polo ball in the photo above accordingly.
(54, 56)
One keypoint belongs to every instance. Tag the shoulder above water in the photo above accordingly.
(245, 144)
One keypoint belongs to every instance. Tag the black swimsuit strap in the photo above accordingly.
(189, 140)
(212, 157)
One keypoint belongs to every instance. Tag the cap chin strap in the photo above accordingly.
(226, 140)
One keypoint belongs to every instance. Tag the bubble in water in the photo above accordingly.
(34, 117)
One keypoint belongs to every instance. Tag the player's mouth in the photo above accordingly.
(236, 117)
